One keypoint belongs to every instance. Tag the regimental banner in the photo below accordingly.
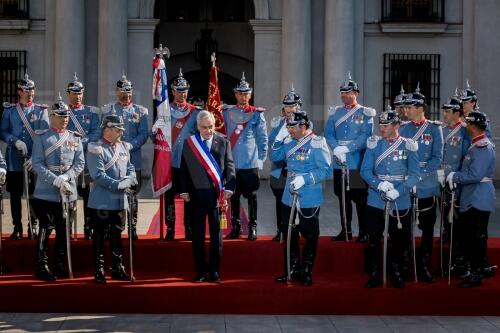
(214, 104)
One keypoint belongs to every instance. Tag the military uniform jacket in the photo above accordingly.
(85, 121)
(475, 176)
(183, 120)
(136, 132)
(349, 127)
(277, 125)
(309, 158)
(249, 123)
(56, 152)
(395, 162)
(13, 128)
(429, 137)
(108, 164)
(456, 143)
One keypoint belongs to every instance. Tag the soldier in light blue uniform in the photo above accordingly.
(58, 160)
(477, 199)
(390, 167)
(247, 134)
(291, 103)
(83, 119)
(347, 128)
(429, 136)
(17, 130)
(456, 141)
(109, 163)
(136, 132)
(183, 121)
(470, 103)
(309, 163)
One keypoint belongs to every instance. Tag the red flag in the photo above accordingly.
(214, 104)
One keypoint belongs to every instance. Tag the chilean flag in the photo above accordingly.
(162, 162)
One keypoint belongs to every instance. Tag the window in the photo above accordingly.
(413, 11)
(12, 69)
(14, 9)
(409, 70)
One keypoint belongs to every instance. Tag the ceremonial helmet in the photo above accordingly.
(180, 83)
(75, 86)
(477, 118)
(26, 84)
(292, 98)
(468, 94)
(389, 116)
(243, 86)
(124, 85)
(399, 99)
(113, 121)
(415, 98)
(349, 84)
(298, 118)
(454, 103)
(59, 108)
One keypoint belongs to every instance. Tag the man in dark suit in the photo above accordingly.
(207, 181)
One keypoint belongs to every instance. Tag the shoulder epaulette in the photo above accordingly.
(372, 141)
(93, 109)
(318, 141)
(260, 109)
(436, 122)
(7, 105)
(95, 147)
(142, 109)
(333, 109)
(42, 106)
(369, 112)
(411, 144)
(275, 122)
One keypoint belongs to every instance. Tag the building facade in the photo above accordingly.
(311, 44)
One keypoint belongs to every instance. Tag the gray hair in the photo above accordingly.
(204, 114)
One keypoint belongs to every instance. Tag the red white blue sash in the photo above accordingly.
(206, 160)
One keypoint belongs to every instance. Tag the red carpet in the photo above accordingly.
(164, 271)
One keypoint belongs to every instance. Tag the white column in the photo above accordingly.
(339, 48)
(296, 49)
(112, 53)
(140, 57)
(69, 43)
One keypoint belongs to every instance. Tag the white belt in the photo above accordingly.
(422, 164)
(486, 180)
(290, 174)
(392, 177)
(344, 142)
(58, 168)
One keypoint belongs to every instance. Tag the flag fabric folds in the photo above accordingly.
(214, 104)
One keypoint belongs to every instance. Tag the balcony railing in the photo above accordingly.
(14, 9)
(413, 11)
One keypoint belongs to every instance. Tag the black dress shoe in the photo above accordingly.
(199, 278)
(307, 281)
(99, 276)
(341, 236)
(252, 233)
(215, 277)
(471, 281)
(277, 238)
(45, 274)
(16, 235)
(118, 273)
(362, 238)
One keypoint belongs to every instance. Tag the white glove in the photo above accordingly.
(385, 186)
(260, 164)
(3, 174)
(21, 146)
(449, 179)
(28, 165)
(392, 194)
(58, 182)
(65, 188)
(158, 124)
(440, 175)
(297, 183)
(340, 153)
(126, 183)
(282, 134)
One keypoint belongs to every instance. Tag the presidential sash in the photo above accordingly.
(206, 160)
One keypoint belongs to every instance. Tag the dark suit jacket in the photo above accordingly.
(195, 180)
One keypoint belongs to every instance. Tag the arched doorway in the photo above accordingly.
(181, 23)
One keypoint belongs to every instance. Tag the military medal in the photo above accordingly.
(178, 124)
(239, 128)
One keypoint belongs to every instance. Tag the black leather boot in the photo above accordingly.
(87, 230)
(252, 216)
(342, 236)
(406, 264)
(235, 220)
(295, 271)
(134, 217)
(471, 281)
(373, 267)
(99, 276)
(309, 254)
(424, 273)
(170, 235)
(17, 232)
(117, 270)
(362, 237)
(42, 269)
(60, 270)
